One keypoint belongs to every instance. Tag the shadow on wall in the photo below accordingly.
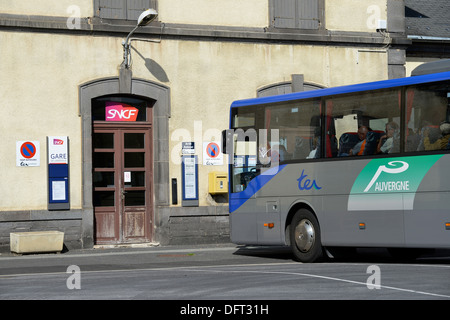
(153, 67)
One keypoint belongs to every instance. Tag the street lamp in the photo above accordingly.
(144, 19)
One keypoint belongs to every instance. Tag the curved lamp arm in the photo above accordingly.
(144, 19)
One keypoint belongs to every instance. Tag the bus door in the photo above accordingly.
(241, 146)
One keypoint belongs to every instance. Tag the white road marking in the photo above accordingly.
(225, 269)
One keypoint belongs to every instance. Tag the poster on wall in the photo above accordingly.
(189, 178)
(59, 190)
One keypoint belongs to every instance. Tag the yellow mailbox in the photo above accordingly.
(218, 182)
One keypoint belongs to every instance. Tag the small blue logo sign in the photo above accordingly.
(307, 184)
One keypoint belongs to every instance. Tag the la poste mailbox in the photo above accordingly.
(58, 172)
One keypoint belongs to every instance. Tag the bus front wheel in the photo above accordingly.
(305, 237)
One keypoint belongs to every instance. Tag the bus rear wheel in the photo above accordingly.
(305, 237)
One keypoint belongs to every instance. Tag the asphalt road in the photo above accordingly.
(226, 274)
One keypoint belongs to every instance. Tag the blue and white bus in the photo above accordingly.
(365, 165)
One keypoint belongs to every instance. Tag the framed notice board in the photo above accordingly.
(189, 179)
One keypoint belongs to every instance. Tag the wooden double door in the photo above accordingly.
(122, 184)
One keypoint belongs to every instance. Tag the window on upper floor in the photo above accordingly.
(122, 9)
(297, 14)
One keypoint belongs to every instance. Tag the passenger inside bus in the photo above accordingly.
(441, 142)
(358, 149)
(388, 143)
(350, 143)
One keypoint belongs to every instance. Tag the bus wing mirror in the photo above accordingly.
(227, 141)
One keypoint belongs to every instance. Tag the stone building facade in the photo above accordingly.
(62, 72)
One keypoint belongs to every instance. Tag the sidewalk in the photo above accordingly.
(120, 249)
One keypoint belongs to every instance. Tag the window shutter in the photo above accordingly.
(284, 13)
(122, 9)
(111, 9)
(136, 7)
(296, 14)
(308, 14)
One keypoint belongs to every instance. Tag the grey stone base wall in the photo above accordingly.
(199, 230)
(174, 225)
(68, 222)
(193, 225)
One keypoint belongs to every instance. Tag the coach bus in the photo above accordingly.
(364, 165)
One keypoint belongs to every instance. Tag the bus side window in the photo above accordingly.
(427, 123)
(298, 128)
(359, 122)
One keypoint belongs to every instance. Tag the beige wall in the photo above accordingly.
(60, 8)
(40, 93)
(342, 15)
(350, 15)
(40, 97)
(242, 13)
(206, 12)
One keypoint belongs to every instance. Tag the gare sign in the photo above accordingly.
(58, 150)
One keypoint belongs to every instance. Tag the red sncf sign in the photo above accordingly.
(116, 111)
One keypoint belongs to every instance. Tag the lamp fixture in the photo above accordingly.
(144, 19)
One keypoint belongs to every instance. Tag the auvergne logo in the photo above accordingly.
(389, 184)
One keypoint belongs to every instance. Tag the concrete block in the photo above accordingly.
(36, 241)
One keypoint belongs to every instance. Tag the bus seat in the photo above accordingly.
(347, 141)
(372, 139)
